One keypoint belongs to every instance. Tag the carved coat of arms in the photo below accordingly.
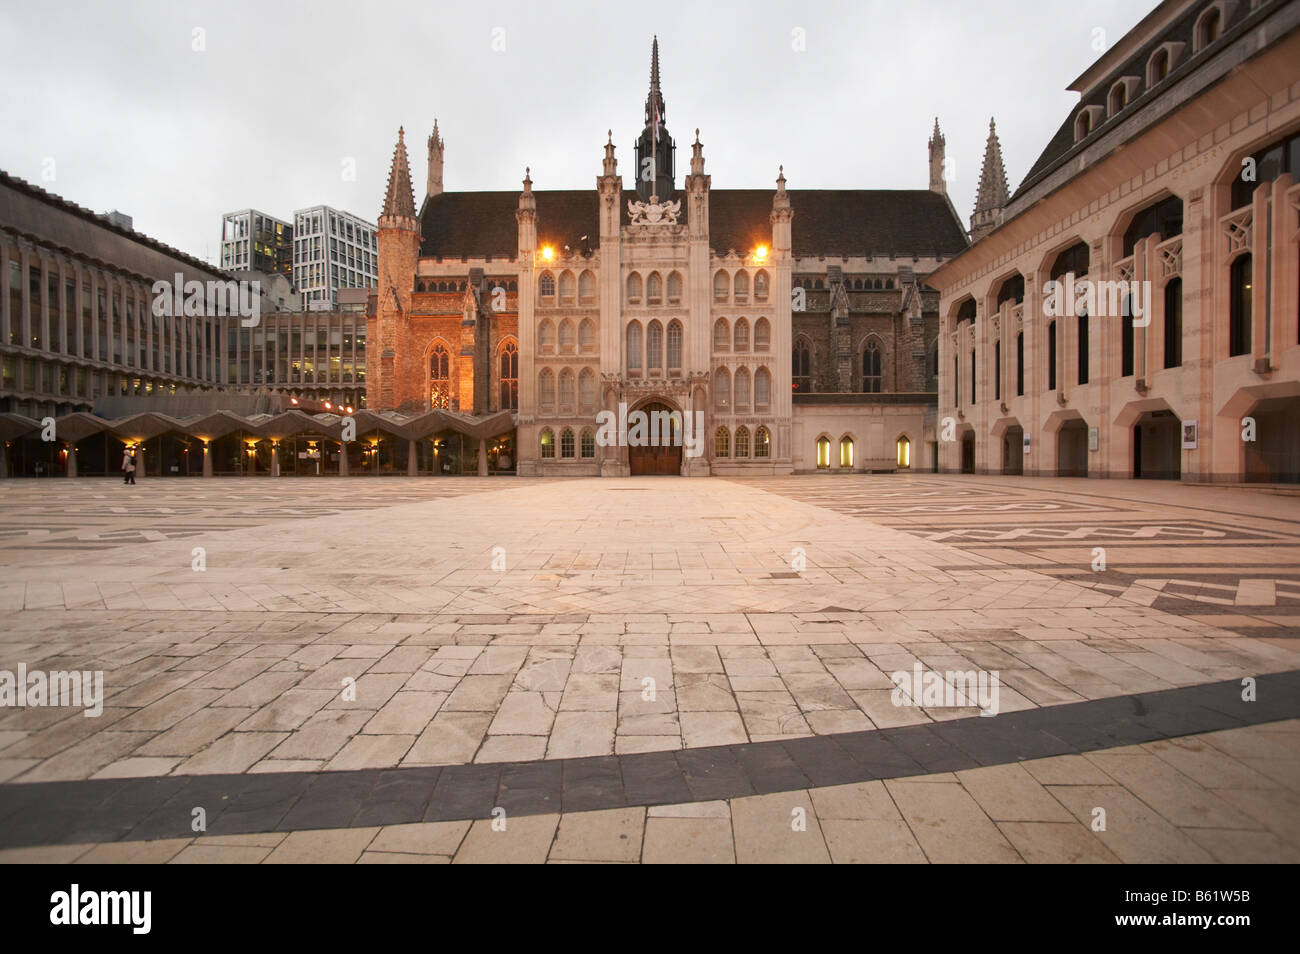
(654, 212)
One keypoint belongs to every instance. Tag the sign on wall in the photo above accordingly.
(1189, 435)
(1094, 439)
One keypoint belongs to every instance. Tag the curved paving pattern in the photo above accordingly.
(763, 624)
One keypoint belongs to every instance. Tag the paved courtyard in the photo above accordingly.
(652, 669)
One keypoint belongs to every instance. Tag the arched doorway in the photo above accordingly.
(1157, 446)
(1072, 449)
(660, 450)
(968, 453)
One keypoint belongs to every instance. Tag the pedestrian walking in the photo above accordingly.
(128, 466)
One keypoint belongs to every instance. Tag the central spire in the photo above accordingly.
(655, 151)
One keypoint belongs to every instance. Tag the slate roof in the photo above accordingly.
(826, 221)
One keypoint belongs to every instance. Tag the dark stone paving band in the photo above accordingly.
(48, 813)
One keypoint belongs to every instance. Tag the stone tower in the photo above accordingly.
(937, 182)
(399, 253)
(655, 151)
(993, 194)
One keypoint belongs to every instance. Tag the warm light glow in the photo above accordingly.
(904, 452)
(760, 253)
(327, 406)
(293, 400)
(548, 252)
(348, 409)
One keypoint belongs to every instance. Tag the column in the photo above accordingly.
(139, 461)
(343, 459)
(412, 460)
(275, 458)
(72, 461)
(482, 459)
(207, 459)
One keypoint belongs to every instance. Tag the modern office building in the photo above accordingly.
(1171, 196)
(332, 250)
(254, 241)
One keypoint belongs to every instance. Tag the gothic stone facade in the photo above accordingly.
(798, 323)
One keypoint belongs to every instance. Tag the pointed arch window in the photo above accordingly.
(674, 345)
(762, 389)
(654, 347)
(568, 289)
(546, 288)
(722, 443)
(721, 335)
(546, 390)
(567, 391)
(566, 337)
(509, 376)
(741, 290)
(674, 288)
(654, 289)
(566, 444)
(762, 443)
(760, 287)
(546, 337)
(742, 334)
(721, 287)
(587, 336)
(823, 452)
(634, 289)
(722, 390)
(439, 378)
(801, 367)
(762, 335)
(587, 390)
(548, 444)
(871, 368)
(742, 442)
(742, 389)
(634, 347)
(587, 288)
(588, 444)
(846, 451)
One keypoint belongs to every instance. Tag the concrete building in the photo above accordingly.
(254, 241)
(1131, 311)
(332, 250)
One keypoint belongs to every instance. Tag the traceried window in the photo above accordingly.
(762, 335)
(722, 390)
(721, 287)
(742, 442)
(548, 444)
(566, 444)
(546, 337)
(509, 377)
(760, 287)
(654, 347)
(762, 443)
(587, 390)
(741, 290)
(721, 335)
(587, 336)
(567, 391)
(742, 389)
(722, 443)
(742, 334)
(587, 288)
(568, 289)
(439, 378)
(546, 390)
(588, 444)
(546, 288)
(634, 289)
(674, 288)
(762, 389)
(674, 345)
(801, 367)
(634, 347)
(871, 368)
(654, 289)
(566, 337)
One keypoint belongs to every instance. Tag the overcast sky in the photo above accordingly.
(116, 103)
